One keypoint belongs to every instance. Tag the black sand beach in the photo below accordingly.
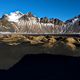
(11, 55)
(44, 67)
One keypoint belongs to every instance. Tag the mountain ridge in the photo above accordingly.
(19, 22)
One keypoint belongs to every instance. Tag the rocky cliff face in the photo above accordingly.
(28, 23)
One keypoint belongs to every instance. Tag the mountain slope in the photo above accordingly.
(28, 23)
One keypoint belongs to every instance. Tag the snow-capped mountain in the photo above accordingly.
(73, 25)
(28, 23)
(73, 20)
(13, 16)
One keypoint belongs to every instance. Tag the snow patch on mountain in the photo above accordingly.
(14, 16)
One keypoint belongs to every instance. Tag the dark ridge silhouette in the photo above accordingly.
(45, 67)
(44, 59)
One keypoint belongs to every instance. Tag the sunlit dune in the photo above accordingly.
(71, 46)
(45, 41)
(71, 40)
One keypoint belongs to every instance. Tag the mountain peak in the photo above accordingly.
(13, 16)
(16, 13)
(29, 14)
(30, 23)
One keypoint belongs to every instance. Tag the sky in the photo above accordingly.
(62, 9)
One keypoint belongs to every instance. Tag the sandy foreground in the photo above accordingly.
(14, 47)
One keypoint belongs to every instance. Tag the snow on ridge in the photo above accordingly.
(14, 16)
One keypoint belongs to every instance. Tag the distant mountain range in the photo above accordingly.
(29, 23)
